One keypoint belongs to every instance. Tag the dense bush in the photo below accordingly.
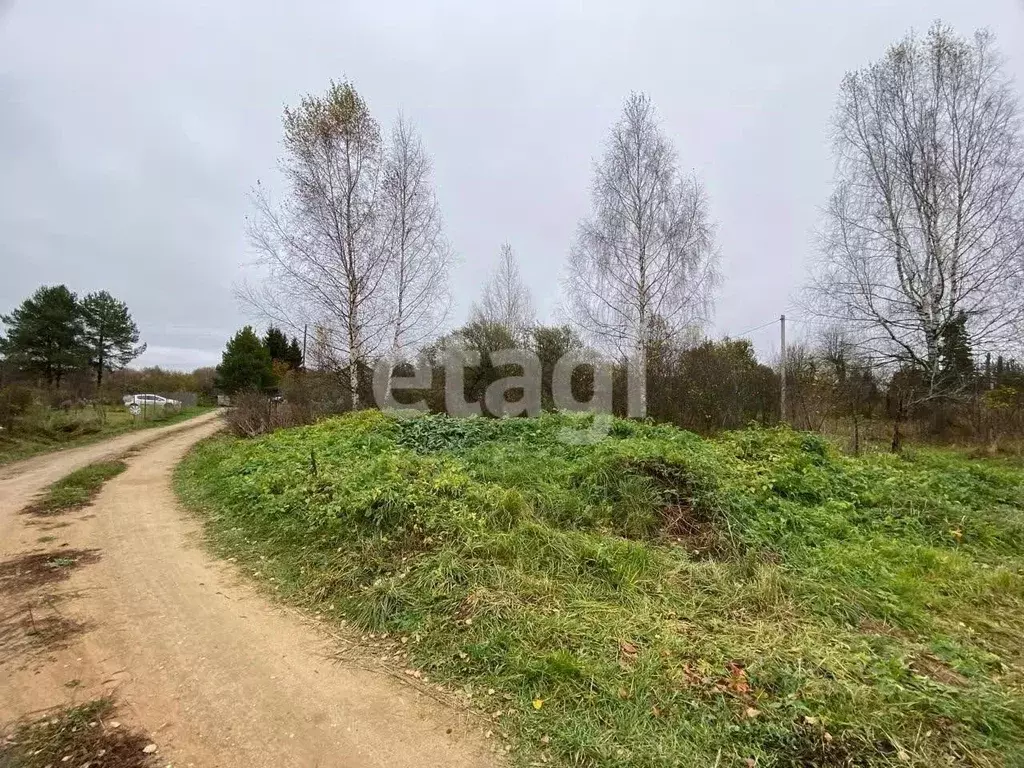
(255, 413)
(14, 402)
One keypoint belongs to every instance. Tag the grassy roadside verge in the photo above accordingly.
(77, 489)
(654, 599)
(117, 422)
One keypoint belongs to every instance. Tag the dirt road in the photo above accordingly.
(22, 480)
(124, 600)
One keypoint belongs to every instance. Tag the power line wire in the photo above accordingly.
(757, 328)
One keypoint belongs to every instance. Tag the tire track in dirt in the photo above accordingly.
(213, 671)
(22, 480)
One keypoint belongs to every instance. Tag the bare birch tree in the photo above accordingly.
(420, 258)
(924, 234)
(506, 299)
(644, 266)
(325, 248)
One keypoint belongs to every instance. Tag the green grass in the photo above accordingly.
(74, 736)
(46, 430)
(655, 599)
(77, 489)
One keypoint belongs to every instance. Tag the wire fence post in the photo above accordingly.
(782, 371)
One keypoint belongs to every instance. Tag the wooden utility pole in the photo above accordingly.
(782, 371)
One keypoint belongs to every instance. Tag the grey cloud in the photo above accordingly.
(130, 133)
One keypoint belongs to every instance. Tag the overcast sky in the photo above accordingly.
(131, 132)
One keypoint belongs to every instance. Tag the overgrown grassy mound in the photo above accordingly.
(656, 599)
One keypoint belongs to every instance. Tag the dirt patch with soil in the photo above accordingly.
(34, 630)
(683, 522)
(42, 569)
(693, 532)
(936, 669)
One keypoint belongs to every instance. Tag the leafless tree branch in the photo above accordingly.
(355, 248)
(926, 223)
(506, 299)
(644, 267)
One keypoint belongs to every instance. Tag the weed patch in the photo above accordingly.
(75, 490)
(77, 736)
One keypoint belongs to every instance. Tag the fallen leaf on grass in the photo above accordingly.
(737, 682)
(627, 654)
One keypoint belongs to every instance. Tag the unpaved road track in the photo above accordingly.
(210, 669)
(22, 480)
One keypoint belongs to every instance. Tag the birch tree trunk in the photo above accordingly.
(326, 246)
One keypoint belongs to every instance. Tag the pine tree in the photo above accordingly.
(956, 362)
(44, 334)
(295, 355)
(110, 335)
(245, 364)
(277, 344)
